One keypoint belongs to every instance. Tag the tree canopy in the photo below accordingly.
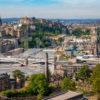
(95, 78)
(38, 84)
(18, 74)
(67, 84)
(84, 73)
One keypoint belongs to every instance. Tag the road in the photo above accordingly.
(28, 70)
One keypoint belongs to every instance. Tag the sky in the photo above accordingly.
(67, 9)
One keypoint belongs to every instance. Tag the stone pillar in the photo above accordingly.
(55, 60)
(46, 67)
(26, 62)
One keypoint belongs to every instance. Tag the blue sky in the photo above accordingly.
(50, 8)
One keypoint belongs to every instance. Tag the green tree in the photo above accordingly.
(38, 84)
(67, 84)
(95, 78)
(18, 74)
(96, 72)
(84, 73)
(79, 32)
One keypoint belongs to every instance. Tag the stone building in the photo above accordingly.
(4, 82)
(12, 31)
(63, 69)
(8, 44)
(7, 83)
(25, 21)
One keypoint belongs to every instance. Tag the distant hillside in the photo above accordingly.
(78, 21)
(10, 20)
(64, 21)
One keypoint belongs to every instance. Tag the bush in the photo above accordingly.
(95, 79)
(9, 93)
(38, 85)
(67, 84)
(84, 73)
(39, 97)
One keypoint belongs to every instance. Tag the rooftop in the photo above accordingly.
(66, 96)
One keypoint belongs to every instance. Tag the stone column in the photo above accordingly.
(55, 60)
(46, 67)
(26, 60)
